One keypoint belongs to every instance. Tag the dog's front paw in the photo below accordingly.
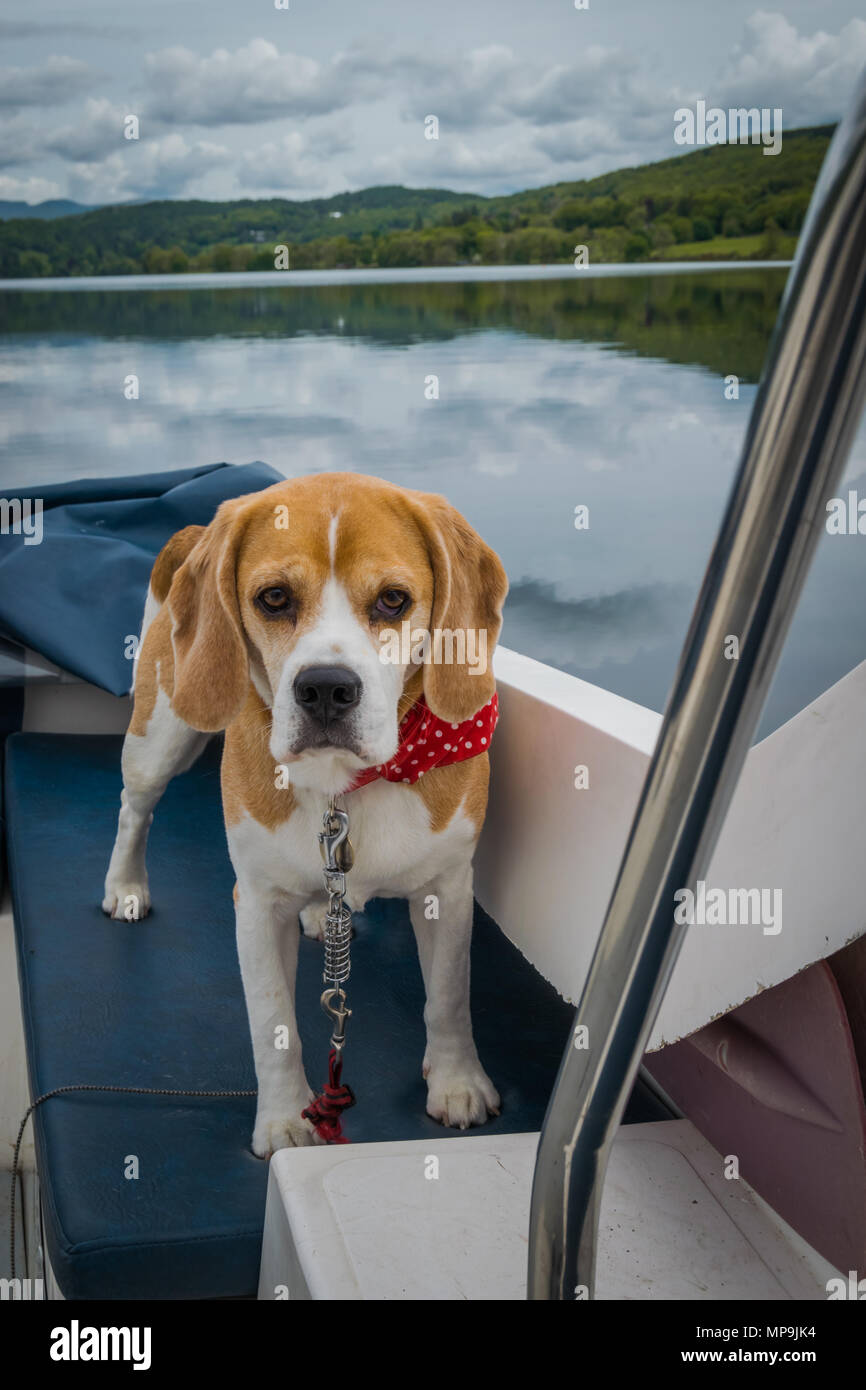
(126, 902)
(276, 1131)
(313, 919)
(461, 1095)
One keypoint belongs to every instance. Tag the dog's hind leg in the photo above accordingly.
(157, 747)
(150, 760)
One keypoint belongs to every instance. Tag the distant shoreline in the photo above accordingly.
(714, 204)
(285, 279)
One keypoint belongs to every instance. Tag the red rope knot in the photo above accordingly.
(324, 1113)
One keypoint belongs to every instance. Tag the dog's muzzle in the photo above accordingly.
(326, 695)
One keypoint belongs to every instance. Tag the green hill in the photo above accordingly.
(719, 202)
(51, 207)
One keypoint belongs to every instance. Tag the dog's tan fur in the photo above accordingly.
(205, 624)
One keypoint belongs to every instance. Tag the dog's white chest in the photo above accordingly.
(395, 851)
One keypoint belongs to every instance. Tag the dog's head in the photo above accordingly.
(342, 598)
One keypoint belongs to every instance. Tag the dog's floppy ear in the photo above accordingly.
(469, 588)
(211, 663)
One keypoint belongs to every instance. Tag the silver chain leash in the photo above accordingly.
(338, 856)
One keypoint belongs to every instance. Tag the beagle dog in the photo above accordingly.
(283, 623)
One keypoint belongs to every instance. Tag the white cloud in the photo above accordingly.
(30, 190)
(811, 76)
(162, 168)
(454, 163)
(508, 118)
(295, 161)
(598, 82)
(254, 83)
(465, 90)
(503, 119)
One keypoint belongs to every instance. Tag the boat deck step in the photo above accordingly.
(426, 1220)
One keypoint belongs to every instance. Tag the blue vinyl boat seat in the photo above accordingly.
(159, 1003)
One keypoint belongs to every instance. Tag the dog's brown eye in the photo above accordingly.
(392, 602)
(275, 600)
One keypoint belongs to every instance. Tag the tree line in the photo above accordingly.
(720, 202)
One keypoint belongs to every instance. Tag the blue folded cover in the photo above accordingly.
(80, 593)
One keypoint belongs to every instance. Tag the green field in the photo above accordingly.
(743, 248)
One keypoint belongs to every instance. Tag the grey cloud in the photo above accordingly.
(581, 140)
(73, 28)
(95, 135)
(50, 84)
(20, 142)
(599, 81)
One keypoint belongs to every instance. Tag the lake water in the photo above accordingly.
(556, 389)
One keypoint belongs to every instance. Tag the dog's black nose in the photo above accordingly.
(327, 692)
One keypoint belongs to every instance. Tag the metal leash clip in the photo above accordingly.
(338, 1015)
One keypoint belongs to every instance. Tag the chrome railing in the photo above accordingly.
(799, 435)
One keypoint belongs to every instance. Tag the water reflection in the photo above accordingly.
(607, 393)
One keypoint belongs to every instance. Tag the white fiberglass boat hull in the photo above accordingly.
(549, 853)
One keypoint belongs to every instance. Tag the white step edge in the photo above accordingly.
(365, 1221)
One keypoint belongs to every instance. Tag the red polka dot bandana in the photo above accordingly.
(426, 741)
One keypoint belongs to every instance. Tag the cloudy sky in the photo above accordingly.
(237, 98)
